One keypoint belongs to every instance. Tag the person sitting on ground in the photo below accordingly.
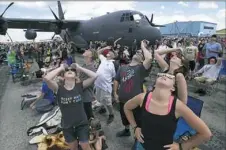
(159, 117)
(209, 73)
(177, 66)
(47, 96)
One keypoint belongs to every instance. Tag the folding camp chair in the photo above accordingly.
(184, 131)
(222, 73)
(209, 88)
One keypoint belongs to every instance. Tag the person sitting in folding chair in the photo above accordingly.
(160, 113)
(209, 73)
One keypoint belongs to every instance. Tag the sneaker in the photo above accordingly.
(102, 111)
(110, 119)
(125, 132)
(202, 93)
(104, 144)
(198, 91)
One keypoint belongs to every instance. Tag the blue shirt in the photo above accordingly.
(69, 61)
(48, 93)
(212, 47)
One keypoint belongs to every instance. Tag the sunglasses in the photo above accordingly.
(70, 69)
(169, 76)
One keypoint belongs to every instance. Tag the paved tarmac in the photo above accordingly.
(15, 122)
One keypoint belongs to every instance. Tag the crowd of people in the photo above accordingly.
(113, 73)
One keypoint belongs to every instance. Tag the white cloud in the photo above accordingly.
(30, 4)
(221, 14)
(86, 10)
(185, 4)
(162, 7)
(19, 35)
(208, 5)
(178, 12)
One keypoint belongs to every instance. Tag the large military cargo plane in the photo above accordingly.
(128, 24)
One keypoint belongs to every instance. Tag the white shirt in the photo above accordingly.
(210, 71)
(105, 74)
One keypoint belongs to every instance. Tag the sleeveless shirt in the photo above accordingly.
(158, 130)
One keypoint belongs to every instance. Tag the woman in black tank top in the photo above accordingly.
(69, 98)
(160, 113)
(177, 66)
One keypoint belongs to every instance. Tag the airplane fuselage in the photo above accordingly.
(115, 25)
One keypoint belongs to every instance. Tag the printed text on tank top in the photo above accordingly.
(149, 98)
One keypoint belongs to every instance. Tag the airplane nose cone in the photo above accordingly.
(151, 34)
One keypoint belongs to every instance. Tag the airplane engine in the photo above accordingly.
(3, 26)
(30, 34)
(55, 28)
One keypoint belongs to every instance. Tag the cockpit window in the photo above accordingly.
(131, 17)
(137, 17)
(126, 17)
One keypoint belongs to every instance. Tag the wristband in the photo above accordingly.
(134, 129)
(180, 146)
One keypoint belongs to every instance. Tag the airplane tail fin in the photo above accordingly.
(60, 11)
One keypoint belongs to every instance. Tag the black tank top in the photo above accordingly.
(158, 130)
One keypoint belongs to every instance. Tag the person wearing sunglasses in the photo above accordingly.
(129, 83)
(69, 98)
(177, 66)
(90, 55)
(159, 116)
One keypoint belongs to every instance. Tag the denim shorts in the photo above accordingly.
(80, 133)
(138, 146)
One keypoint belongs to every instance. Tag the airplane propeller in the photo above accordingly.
(6, 9)
(60, 24)
(3, 21)
(55, 16)
(151, 22)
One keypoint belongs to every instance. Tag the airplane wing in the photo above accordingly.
(44, 25)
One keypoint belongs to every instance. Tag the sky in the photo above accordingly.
(164, 12)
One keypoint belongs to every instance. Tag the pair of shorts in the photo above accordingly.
(192, 65)
(80, 133)
(103, 97)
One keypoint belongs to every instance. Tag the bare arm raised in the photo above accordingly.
(51, 75)
(162, 63)
(147, 55)
(92, 75)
